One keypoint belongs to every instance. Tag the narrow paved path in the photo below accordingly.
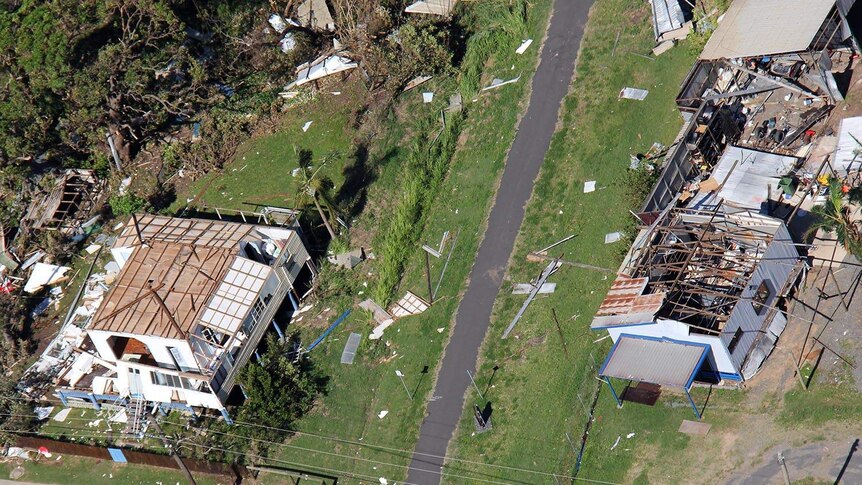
(550, 85)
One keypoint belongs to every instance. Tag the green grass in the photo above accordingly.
(262, 170)
(74, 470)
(357, 393)
(538, 390)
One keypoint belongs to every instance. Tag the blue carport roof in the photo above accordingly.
(659, 361)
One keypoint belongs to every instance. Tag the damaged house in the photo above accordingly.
(190, 304)
(698, 298)
(766, 80)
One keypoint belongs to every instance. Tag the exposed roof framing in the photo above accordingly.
(701, 261)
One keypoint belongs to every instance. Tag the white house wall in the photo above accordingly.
(158, 347)
(679, 331)
(158, 393)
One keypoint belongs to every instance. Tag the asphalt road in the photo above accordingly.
(550, 85)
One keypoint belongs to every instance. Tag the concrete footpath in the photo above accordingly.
(550, 85)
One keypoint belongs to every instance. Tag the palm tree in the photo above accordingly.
(836, 216)
(316, 189)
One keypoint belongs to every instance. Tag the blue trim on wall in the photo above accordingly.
(624, 325)
(705, 347)
(729, 376)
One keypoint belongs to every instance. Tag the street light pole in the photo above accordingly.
(401, 376)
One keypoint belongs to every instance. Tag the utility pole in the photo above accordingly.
(474, 385)
(560, 331)
(174, 454)
(428, 277)
(401, 376)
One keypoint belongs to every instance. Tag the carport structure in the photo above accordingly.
(660, 361)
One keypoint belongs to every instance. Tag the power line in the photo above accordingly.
(408, 452)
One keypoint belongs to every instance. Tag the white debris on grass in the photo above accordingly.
(630, 436)
(382, 414)
(92, 248)
(427, 97)
(61, 416)
(616, 442)
(633, 93)
(524, 46)
(589, 186)
(613, 237)
(306, 126)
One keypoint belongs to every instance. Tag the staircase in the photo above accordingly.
(136, 412)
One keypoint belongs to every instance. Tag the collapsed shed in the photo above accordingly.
(72, 200)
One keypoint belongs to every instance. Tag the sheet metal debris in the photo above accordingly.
(349, 352)
(589, 186)
(497, 82)
(552, 268)
(633, 93)
(526, 288)
(44, 275)
(613, 237)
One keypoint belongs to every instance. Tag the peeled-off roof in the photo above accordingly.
(766, 27)
(182, 272)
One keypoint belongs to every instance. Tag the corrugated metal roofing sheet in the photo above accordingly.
(667, 16)
(767, 27)
(664, 362)
(626, 304)
(744, 175)
(848, 152)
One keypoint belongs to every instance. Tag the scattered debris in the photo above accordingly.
(61, 416)
(431, 7)
(315, 14)
(589, 186)
(321, 68)
(409, 304)
(613, 237)
(552, 268)
(630, 436)
(43, 412)
(382, 414)
(616, 442)
(694, 427)
(349, 352)
(526, 288)
(92, 248)
(287, 43)
(633, 93)
(377, 333)
(416, 81)
(524, 46)
(43, 275)
(427, 97)
(306, 126)
(348, 260)
(277, 23)
(497, 82)
(380, 315)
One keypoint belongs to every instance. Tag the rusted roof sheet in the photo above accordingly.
(626, 304)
